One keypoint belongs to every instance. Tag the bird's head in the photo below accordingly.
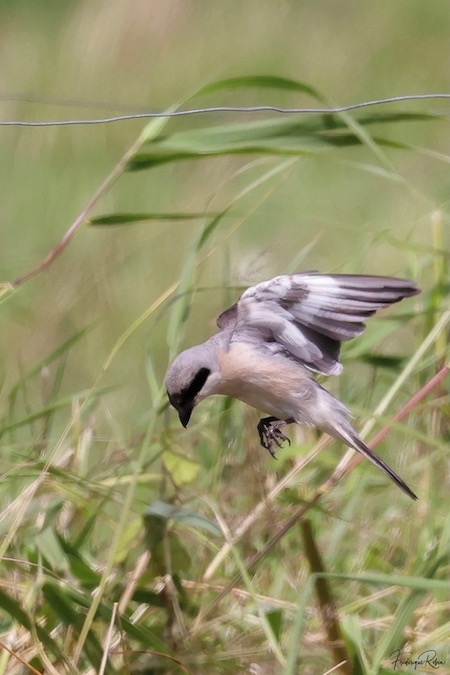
(192, 376)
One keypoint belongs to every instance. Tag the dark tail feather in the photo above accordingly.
(352, 439)
(367, 452)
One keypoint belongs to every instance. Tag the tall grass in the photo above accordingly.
(137, 546)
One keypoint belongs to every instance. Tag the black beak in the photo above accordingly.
(185, 415)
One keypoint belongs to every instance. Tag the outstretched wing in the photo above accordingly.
(309, 315)
(228, 318)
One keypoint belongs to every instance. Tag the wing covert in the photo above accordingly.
(309, 315)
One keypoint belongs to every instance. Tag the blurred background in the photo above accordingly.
(344, 211)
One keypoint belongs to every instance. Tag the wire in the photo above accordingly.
(228, 109)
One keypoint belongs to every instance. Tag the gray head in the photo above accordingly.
(193, 375)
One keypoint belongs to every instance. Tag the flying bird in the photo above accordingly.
(269, 343)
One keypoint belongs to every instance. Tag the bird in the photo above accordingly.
(272, 340)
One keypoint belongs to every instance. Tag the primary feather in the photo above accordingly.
(309, 315)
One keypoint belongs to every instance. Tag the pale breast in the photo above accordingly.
(272, 384)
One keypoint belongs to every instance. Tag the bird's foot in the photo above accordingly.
(270, 434)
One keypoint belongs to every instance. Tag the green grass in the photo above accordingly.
(132, 545)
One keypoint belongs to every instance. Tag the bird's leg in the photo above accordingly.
(270, 434)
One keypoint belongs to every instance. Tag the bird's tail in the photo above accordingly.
(345, 432)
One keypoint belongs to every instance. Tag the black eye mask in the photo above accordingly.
(188, 394)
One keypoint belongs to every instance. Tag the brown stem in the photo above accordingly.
(429, 386)
(327, 605)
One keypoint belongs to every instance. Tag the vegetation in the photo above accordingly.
(131, 545)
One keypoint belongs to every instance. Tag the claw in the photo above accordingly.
(270, 434)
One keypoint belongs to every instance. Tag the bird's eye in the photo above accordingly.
(175, 399)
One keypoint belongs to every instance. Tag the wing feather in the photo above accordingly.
(308, 315)
(228, 317)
